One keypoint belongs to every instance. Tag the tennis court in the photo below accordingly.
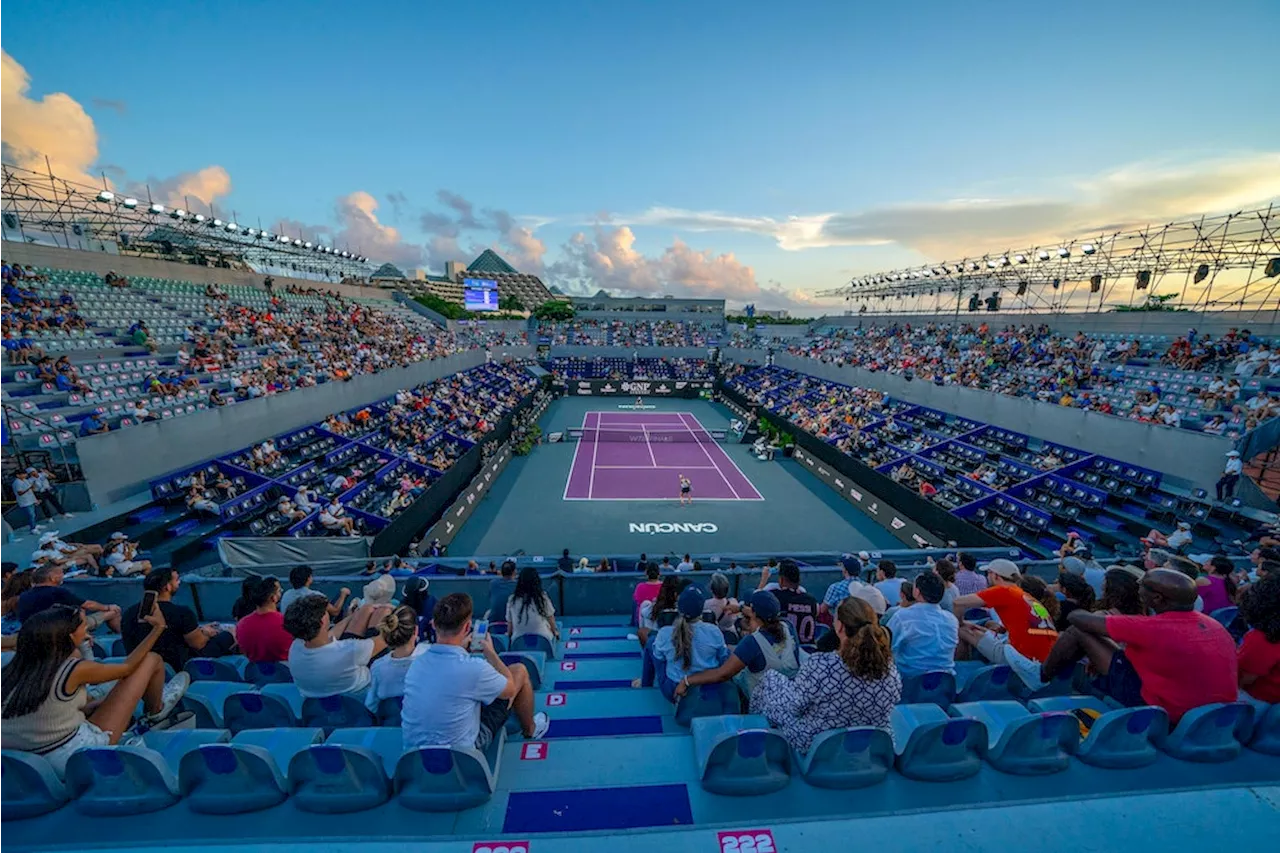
(631, 456)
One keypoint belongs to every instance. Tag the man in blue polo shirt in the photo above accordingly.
(92, 424)
(453, 698)
(924, 635)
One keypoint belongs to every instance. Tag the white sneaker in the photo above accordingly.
(173, 693)
(541, 722)
(68, 515)
(633, 636)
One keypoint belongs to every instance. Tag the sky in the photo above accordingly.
(758, 152)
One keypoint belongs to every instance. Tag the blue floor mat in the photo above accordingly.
(598, 684)
(602, 808)
(601, 655)
(605, 727)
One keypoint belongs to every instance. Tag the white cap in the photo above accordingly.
(1233, 453)
(864, 556)
(118, 535)
(46, 538)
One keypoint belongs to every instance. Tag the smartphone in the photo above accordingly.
(479, 628)
(148, 604)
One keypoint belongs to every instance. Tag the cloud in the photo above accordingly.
(513, 237)
(56, 127)
(359, 228)
(607, 258)
(206, 186)
(1125, 197)
(523, 251)
(108, 104)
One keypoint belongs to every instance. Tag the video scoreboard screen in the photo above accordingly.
(480, 294)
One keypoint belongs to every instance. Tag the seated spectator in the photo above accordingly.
(93, 424)
(183, 637)
(300, 580)
(452, 698)
(1076, 595)
(329, 659)
(418, 596)
(686, 646)
(925, 634)
(647, 589)
(1176, 659)
(399, 630)
(288, 511)
(45, 695)
(260, 632)
(1216, 587)
(768, 643)
(946, 570)
(887, 580)
(1176, 541)
(565, 563)
(47, 590)
(197, 502)
(856, 685)
(529, 609)
(723, 609)
(798, 607)
(334, 518)
(500, 590)
(120, 559)
(67, 554)
(1122, 591)
(1027, 633)
(1258, 657)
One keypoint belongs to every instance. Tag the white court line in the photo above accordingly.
(661, 467)
(729, 459)
(694, 433)
(595, 446)
(667, 500)
(652, 459)
(574, 465)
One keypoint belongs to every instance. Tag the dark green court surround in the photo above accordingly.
(526, 510)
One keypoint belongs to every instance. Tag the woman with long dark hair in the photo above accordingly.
(769, 644)
(1217, 588)
(1077, 595)
(856, 685)
(1120, 591)
(45, 695)
(529, 609)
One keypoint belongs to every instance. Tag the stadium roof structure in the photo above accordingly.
(1217, 263)
(491, 262)
(40, 207)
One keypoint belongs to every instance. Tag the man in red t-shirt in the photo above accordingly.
(1176, 659)
(1028, 628)
(261, 634)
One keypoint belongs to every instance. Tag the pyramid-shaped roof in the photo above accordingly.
(490, 262)
(387, 271)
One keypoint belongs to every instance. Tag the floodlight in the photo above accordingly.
(216, 223)
(232, 227)
(106, 195)
(266, 235)
(1044, 256)
(307, 245)
(199, 217)
(927, 273)
(1202, 272)
(1004, 260)
(1273, 268)
(178, 213)
(297, 242)
(946, 270)
(344, 254)
(157, 208)
(1022, 259)
(1064, 252)
(130, 203)
(937, 271)
(252, 232)
(1088, 248)
(991, 264)
(973, 266)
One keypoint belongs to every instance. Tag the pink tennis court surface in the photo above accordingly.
(641, 456)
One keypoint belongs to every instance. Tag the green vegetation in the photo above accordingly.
(448, 310)
(739, 319)
(1155, 302)
(558, 310)
(510, 303)
(528, 441)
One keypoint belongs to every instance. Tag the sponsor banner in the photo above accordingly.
(652, 527)
(640, 388)
(886, 516)
(457, 514)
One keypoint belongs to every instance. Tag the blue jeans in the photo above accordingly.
(31, 517)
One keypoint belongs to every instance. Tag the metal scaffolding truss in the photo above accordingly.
(40, 207)
(1216, 263)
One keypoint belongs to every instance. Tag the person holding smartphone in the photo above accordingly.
(46, 707)
(184, 637)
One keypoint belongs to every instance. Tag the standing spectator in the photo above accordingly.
(500, 589)
(925, 634)
(856, 685)
(1226, 485)
(183, 637)
(1028, 631)
(46, 494)
(327, 659)
(399, 629)
(45, 695)
(1176, 659)
(529, 609)
(768, 643)
(260, 633)
(688, 645)
(1259, 655)
(452, 698)
(24, 493)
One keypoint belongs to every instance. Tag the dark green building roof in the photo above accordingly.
(490, 262)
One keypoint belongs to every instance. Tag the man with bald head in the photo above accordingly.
(1176, 659)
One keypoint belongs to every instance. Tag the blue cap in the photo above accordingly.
(764, 604)
(690, 602)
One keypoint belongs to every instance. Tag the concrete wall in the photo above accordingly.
(128, 266)
(511, 327)
(1194, 457)
(122, 463)
(1137, 322)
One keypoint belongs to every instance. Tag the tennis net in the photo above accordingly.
(641, 435)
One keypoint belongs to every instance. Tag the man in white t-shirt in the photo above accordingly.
(453, 698)
(327, 659)
(685, 565)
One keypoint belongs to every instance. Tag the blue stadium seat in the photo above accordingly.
(1210, 733)
(936, 687)
(934, 747)
(1063, 684)
(267, 673)
(847, 758)
(442, 779)
(987, 683)
(532, 643)
(739, 756)
(118, 649)
(336, 712)
(244, 775)
(1118, 739)
(1225, 615)
(109, 781)
(534, 661)
(206, 700)
(251, 709)
(708, 700)
(336, 778)
(1022, 742)
(30, 786)
(214, 669)
(389, 711)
